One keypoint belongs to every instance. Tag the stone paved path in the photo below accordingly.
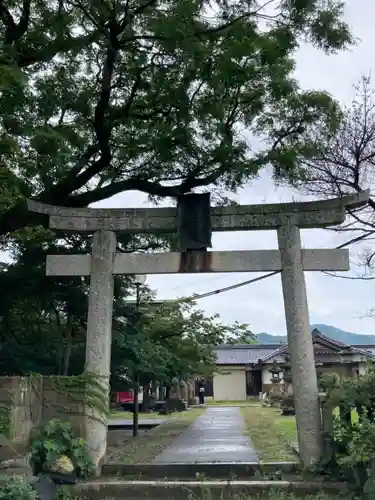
(216, 436)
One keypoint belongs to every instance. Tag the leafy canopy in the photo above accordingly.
(168, 339)
(101, 97)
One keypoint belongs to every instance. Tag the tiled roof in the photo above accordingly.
(280, 350)
(368, 351)
(366, 348)
(317, 333)
(243, 354)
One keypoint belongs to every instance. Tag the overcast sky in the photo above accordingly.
(337, 302)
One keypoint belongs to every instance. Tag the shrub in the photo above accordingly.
(16, 488)
(353, 437)
(55, 440)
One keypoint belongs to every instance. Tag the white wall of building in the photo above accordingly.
(362, 368)
(266, 375)
(230, 384)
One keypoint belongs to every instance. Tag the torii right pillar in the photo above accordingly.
(305, 385)
(300, 345)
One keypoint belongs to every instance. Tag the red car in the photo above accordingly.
(125, 397)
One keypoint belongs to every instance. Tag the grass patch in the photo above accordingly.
(249, 402)
(272, 495)
(144, 448)
(354, 415)
(271, 433)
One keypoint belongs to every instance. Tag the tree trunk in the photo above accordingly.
(68, 350)
(146, 398)
(136, 409)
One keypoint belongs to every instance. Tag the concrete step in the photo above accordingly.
(198, 490)
(210, 470)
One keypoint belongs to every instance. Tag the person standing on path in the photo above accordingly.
(201, 392)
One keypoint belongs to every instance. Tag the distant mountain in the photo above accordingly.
(266, 338)
(330, 331)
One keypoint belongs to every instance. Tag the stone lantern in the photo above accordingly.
(183, 390)
(175, 403)
(275, 371)
(287, 403)
(287, 370)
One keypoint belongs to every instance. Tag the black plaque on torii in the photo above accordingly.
(194, 214)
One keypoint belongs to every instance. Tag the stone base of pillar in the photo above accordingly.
(176, 405)
(95, 434)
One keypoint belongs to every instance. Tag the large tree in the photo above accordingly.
(168, 339)
(101, 97)
(43, 319)
(343, 162)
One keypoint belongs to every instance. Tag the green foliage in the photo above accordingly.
(100, 98)
(281, 495)
(240, 334)
(353, 436)
(171, 339)
(56, 439)
(4, 420)
(63, 493)
(52, 341)
(16, 488)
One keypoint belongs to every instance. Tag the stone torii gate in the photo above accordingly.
(290, 259)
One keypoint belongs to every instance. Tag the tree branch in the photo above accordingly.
(29, 56)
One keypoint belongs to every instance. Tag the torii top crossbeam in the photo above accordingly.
(311, 214)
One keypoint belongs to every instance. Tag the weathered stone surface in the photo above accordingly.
(174, 391)
(210, 262)
(229, 489)
(19, 398)
(18, 465)
(232, 218)
(172, 405)
(68, 265)
(45, 487)
(99, 336)
(305, 386)
(183, 391)
(218, 470)
(191, 393)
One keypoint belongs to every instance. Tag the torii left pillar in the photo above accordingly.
(99, 338)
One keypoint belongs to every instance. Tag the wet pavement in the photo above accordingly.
(217, 436)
